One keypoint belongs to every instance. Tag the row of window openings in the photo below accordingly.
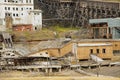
(97, 51)
(45, 53)
(11, 1)
(10, 54)
(7, 55)
(27, 1)
(16, 8)
(8, 14)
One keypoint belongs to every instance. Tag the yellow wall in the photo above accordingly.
(116, 45)
(84, 52)
(59, 52)
(53, 52)
(66, 49)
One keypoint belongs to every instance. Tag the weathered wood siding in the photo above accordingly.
(84, 52)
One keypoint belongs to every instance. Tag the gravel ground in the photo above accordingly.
(106, 71)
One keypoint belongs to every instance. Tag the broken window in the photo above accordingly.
(7, 14)
(0, 55)
(13, 14)
(10, 0)
(16, 8)
(30, 1)
(8, 8)
(46, 52)
(8, 54)
(22, 9)
(13, 8)
(5, 8)
(17, 15)
(97, 50)
(104, 50)
(26, 1)
(91, 51)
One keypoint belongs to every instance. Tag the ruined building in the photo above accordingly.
(14, 12)
(76, 12)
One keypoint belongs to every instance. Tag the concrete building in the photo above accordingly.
(21, 11)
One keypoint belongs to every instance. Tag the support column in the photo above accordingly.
(89, 67)
(99, 66)
(50, 70)
(59, 70)
(30, 70)
(46, 70)
(107, 32)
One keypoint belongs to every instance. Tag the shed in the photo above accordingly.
(109, 27)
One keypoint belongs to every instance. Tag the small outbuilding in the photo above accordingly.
(107, 28)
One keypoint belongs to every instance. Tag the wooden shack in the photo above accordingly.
(103, 48)
(106, 28)
(54, 51)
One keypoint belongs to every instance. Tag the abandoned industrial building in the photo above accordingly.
(19, 12)
(102, 48)
(54, 55)
(107, 28)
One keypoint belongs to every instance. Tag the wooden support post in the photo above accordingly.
(59, 69)
(46, 70)
(30, 70)
(38, 70)
(50, 70)
(89, 67)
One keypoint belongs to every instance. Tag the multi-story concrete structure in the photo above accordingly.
(21, 11)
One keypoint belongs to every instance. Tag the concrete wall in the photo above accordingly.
(19, 10)
(36, 19)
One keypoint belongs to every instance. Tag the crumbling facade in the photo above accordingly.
(76, 12)
(14, 12)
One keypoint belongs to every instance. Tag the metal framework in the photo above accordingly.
(75, 12)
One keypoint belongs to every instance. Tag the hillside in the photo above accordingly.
(51, 33)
